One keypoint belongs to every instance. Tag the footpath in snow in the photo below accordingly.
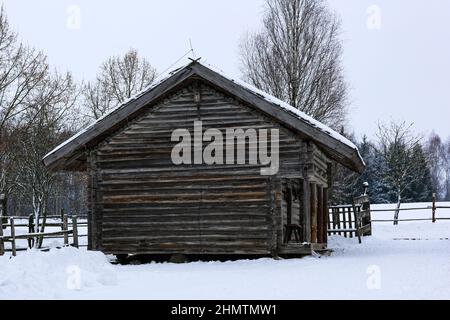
(380, 268)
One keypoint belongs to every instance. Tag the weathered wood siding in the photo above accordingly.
(143, 203)
(317, 164)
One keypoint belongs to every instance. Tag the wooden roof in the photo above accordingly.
(71, 155)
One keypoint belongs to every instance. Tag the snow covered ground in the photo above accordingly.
(380, 268)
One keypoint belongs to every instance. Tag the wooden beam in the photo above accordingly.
(313, 204)
(65, 228)
(306, 208)
(13, 237)
(38, 234)
(325, 216)
(275, 214)
(75, 231)
(296, 249)
(320, 226)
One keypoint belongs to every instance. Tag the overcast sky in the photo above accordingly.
(397, 52)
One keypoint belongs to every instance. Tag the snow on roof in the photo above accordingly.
(159, 79)
(271, 99)
(299, 114)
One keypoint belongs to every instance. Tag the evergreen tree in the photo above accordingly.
(421, 189)
(373, 173)
(348, 184)
(399, 166)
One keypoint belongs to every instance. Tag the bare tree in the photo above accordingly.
(21, 70)
(119, 79)
(446, 166)
(49, 112)
(97, 99)
(297, 58)
(37, 111)
(435, 155)
(398, 145)
(8, 163)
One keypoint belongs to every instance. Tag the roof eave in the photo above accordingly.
(63, 158)
(353, 159)
(56, 159)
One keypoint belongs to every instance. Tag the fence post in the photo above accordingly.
(434, 208)
(358, 223)
(75, 231)
(3, 208)
(13, 237)
(30, 230)
(62, 219)
(65, 228)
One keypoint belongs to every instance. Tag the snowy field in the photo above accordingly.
(385, 266)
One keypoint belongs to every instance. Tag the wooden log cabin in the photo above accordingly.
(140, 202)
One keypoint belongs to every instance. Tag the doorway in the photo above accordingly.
(292, 210)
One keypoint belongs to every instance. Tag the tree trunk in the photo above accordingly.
(397, 211)
(5, 206)
(4, 209)
(41, 238)
(44, 221)
(37, 211)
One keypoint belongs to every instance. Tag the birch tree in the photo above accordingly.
(446, 164)
(435, 150)
(120, 78)
(49, 112)
(398, 145)
(297, 58)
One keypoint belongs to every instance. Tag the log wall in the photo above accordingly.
(141, 203)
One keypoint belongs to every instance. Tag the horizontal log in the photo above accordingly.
(184, 236)
(188, 251)
(175, 189)
(232, 209)
(187, 206)
(194, 223)
(38, 234)
(401, 209)
(183, 243)
(143, 129)
(403, 220)
(197, 179)
(185, 218)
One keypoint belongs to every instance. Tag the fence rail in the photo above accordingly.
(342, 220)
(351, 220)
(34, 237)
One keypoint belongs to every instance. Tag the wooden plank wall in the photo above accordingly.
(145, 204)
(297, 206)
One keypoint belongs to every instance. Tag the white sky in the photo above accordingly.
(400, 71)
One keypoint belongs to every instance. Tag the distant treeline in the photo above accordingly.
(400, 165)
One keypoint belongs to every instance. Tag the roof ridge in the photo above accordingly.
(265, 102)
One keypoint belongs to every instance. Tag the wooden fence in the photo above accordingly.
(342, 220)
(351, 220)
(34, 237)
